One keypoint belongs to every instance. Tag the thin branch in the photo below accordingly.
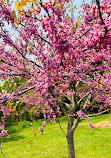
(19, 50)
(14, 74)
(66, 104)
(77, 84)
(92, 115)
(99, 113)
(24, 91)
(76, 124)
(28, 97)
(100, 15)
(31, 17)
(25, 57)
(1, 147)
(83, 97)
(45, 9)
(65, 96)
(39, 52)
(63, 109)
(73, 101)
(61, 127)
(85, 104)
(38, 36)
(106, 31)
(82, 35)
(68, 98)
(44, 40)
(6, 62)
(1, 144)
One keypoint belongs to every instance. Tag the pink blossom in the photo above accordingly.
(57, 60)
(44, 123)
(3, 132)
(14, 84)
(80, 113)
(91, 126)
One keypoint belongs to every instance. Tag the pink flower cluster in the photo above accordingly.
(3, 133)
(80, 113)
(60, 59)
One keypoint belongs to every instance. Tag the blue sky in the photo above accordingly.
(78, 3)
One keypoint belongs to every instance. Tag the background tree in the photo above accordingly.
(70, 61)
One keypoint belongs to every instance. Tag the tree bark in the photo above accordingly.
(70, 141)
(70, 145)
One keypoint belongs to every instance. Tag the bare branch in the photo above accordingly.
(24, 91)
(68, 98)
(76, 124)
(92, 115)
(31, 17)
(73, 101)
(83, 97)
(6, 62)
(77, 84)
(82, 35)
(98, 113)
(106, 31)
(65, 96)
(63, 109)
(14, 74)
(66, 104)
(61, 127)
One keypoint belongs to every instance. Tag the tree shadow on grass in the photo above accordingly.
(13, 138)
(14, 131)
(14, 134)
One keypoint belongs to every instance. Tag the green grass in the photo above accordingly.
(52, 144)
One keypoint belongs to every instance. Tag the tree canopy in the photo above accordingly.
(71, 59)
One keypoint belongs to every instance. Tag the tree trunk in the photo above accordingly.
(70, 145)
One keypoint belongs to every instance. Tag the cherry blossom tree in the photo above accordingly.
(67, 63)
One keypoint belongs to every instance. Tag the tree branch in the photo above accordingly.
(31, 17)
(83, 97)
(77, 84)
(66, 104)
(45, 9)
(24, 91)
(19, 50)
(6, 62)
(63, 109)
(100, 15)
(92, 115)
(99, 113)
(76, 124)
(39, 36)
(82, 35)
(61, 127)
(25, 57)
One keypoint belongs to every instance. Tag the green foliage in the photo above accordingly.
(10, 86)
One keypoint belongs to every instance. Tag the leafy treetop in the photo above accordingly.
(72, 60)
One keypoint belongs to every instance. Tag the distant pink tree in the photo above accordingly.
(71, 60)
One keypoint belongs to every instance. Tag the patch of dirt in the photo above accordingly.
(103, 124)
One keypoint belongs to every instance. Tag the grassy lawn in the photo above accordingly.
(89, 143)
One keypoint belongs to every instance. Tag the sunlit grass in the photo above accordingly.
(52, 144)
